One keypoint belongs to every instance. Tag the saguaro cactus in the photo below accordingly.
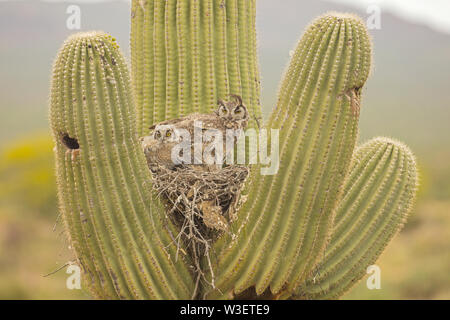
(296, 232)
(113, 220)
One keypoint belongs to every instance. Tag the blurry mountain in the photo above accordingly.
(408, 93)
(407, 96)
(31, 32)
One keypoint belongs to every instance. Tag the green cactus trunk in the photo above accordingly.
(379, 194)
(114, 222)
(286, 219)
(187, 54)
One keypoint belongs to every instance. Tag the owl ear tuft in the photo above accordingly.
(237, 98)
(220, 102)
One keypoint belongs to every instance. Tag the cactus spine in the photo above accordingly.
(187, 54)
(379, 193)
(287, 216)
(113, 221)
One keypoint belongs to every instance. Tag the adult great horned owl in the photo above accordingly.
(233, 113)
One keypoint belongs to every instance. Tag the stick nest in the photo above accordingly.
(202, 203)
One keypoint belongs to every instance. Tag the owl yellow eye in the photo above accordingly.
(168, 133)
(157, 134)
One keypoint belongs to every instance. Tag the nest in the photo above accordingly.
(202, 203)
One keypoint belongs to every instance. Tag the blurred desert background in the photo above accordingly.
(407, 97)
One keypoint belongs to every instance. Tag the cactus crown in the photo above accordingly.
(308, 231)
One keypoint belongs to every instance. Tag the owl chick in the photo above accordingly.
(158, 147)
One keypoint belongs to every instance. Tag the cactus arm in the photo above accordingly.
(379, 194)
(188, 54)
(111, 215)
(284, 224)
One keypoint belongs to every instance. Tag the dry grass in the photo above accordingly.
(416, 264)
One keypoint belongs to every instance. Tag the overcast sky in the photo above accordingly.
(433, 13)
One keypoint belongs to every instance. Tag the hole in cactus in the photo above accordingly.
(70, 143)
